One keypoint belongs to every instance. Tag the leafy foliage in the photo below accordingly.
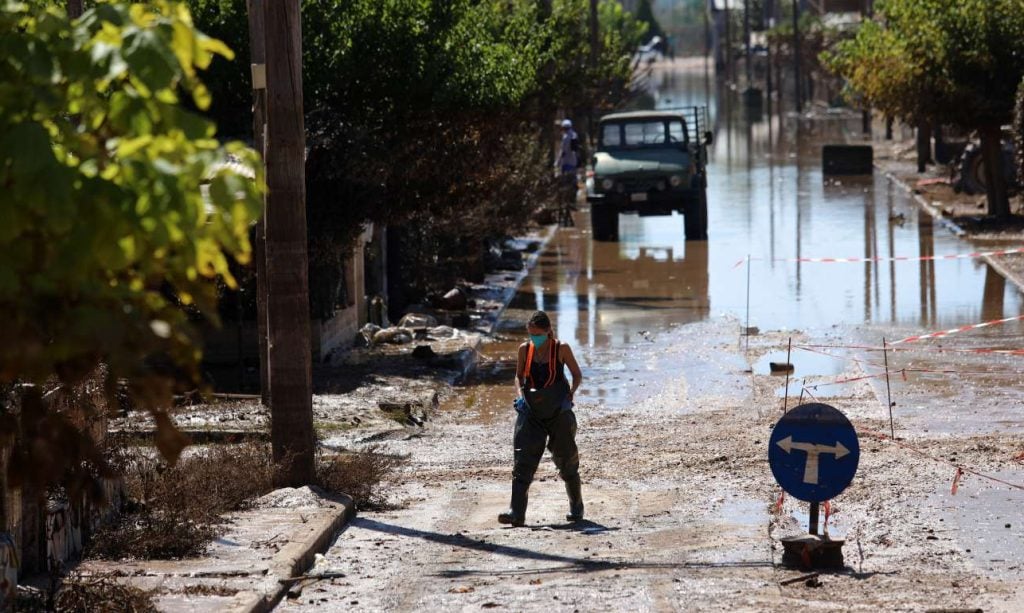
(947, 61)
(104, 233)
(645, 14)
(816, 37)
(430, 114)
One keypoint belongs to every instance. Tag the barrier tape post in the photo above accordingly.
(888, 388)
(746, 331)
(785, 398)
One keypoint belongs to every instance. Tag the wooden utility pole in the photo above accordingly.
(797, 82)
(291, 402)
(258, 61)
(595, 54)
(768, 21)
(728, 40)
(746, 43)
(707, 49)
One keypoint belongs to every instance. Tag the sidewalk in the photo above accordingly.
(961, 213)
(251, 566)
(372, 394)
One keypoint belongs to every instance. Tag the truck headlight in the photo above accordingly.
(607, 184)
(676, 180)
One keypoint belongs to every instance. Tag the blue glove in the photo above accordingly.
(519, 404)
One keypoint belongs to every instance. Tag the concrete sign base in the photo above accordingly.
(810, 551)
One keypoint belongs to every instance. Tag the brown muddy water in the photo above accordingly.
(675, 412)
(624, 306)
(619, 304)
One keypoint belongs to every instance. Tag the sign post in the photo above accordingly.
(813, 453)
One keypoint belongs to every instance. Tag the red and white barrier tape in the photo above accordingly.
(897, 258)
(848, 358)
(945, 333)
(902, 372)
(960, 469)
(935, 349)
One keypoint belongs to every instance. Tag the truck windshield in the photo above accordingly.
(650, 132)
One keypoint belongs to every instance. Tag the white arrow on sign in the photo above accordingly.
(813, 450)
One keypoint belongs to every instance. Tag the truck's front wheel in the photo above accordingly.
(695, 220)
(604, 222)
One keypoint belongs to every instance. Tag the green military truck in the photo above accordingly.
(651, 163)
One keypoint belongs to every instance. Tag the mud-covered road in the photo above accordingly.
(676, 411)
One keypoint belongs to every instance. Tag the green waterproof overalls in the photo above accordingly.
(545, 419)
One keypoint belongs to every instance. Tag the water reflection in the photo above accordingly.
(767, 199)
(606, 294)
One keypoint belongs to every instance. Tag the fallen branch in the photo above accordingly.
(312, 577)
(793, 580)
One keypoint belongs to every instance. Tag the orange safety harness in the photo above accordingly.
(552, 363)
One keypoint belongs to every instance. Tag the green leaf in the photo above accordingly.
(27, 148)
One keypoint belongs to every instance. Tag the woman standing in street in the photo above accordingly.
(544, 417)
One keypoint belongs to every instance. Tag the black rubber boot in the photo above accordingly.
(574, 489)
(516, 514)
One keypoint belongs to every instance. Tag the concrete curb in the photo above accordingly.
(924, 204)
(999, 267)
(528, 265)
(242, 570)
(295, 558)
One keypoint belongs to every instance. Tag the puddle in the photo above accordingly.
(814, 371)
(744, 512)
(805, 364)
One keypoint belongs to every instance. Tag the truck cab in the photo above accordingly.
(650, 163)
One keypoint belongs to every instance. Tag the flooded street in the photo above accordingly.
(774, 206)
(677, 405)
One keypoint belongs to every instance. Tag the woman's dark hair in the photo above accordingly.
(541, 320)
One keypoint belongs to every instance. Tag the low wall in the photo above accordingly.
(338, 332)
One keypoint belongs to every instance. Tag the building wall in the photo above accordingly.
(237, 342)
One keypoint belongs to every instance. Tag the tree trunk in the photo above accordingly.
(595, 39)
(74, 8)
(993, 296)
(924, 146)
(797, 79)
(546, 134)
(258, 56)
(291, 409)
(995, 182)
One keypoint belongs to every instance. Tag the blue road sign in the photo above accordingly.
(813, 452)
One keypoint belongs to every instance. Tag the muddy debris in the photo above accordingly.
(417, 320)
